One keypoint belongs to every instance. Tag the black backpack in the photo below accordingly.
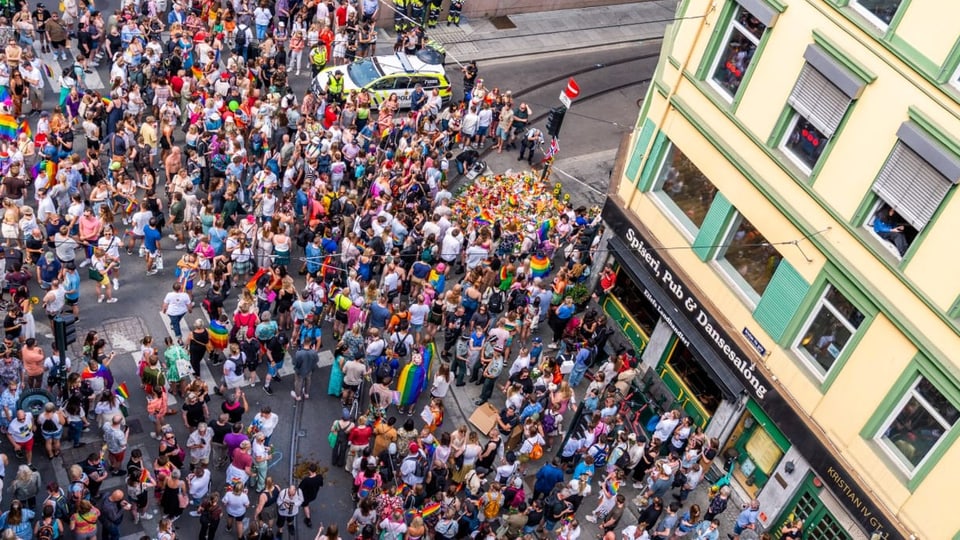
(495, 304)
(241, 38)
(45, 532)
(239, 364)
(400, 347)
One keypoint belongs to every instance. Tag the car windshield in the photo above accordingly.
(363, 73)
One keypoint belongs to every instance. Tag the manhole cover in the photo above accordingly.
(502, 23)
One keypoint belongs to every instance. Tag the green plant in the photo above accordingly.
(302, 466)
(579, 293)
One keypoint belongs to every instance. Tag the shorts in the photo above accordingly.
(351, 387)
(72, 301)
(274, 369)
(9, 231)
(52, 435)
(482, 131)
(59, 43)
(416, 328)
(269, 513)
(503, 133)
(118, 458)
(28, 445)
(140, 500)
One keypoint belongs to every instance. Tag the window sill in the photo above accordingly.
(911, 482)
(881, 247)
(673, 213)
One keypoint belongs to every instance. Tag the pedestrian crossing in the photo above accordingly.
(92, 80)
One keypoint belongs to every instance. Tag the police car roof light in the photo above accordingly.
(405, 62)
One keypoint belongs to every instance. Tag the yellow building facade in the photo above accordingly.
(785, 230)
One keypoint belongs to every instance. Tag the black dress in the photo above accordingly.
(170, 501)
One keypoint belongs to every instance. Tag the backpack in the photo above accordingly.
(74, 500)
(400, 347)
(518, 299)
(536, 452)
(549, 423)
(60, 508)
(492, 509)
(238, 365)
(367, 487)
(600, 458)
(45, 532)
(495, 304)
(241, 37)
(384, 369)
(420, 467)
(623, 461)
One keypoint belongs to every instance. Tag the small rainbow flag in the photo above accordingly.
(131, 206)
(197, 72)
(430, 509)
(8, 126)
(219, 336)
(122, 390)
(513, 200)
(539, 265)
(106, 101)
(544, 229)
(47, 70)
(45, 166)
(252, 284)
(25, 129)
(144, 476)
(485, 218)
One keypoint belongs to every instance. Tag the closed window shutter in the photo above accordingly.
(818, 100)
(781, 300)
(911, 186)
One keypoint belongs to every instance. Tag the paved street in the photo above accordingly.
(591, 134)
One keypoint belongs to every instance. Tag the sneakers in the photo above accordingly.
(179, 246)
(306, 396)
(268, 390)
(591, 518)
(172, 236)
(307, 522)
(553, 346)
(201, 284)
(194, 513)
(85, 263)
(638, 485)
(100, 300)
(294, 396)
(116, 284)
(152, 272)
(147, 515)
(112, 301)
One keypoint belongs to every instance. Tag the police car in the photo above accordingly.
(392, 74)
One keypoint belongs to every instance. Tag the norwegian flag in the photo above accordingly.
(553, 150)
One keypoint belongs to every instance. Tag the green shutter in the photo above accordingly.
(636, 156)
(714, 225)
(649, 175)
(781, 300)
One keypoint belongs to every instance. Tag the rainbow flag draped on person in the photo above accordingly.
(48, 167)
(544, 229)
(219, 335)
(413, 377)
(8, 127)
(539, 265)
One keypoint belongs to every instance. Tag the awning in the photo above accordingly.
(703, 351)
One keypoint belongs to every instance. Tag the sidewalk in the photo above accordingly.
(550, 31)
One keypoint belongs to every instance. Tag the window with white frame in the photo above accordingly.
(918, 425)
(830, 327)
(748, 258)
(880, 13)
(740, 42)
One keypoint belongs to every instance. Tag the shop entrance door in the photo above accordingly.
(818, 522)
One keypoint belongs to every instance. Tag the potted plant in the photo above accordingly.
(580, 295)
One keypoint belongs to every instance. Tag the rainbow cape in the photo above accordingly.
(413, 376)
(8, 127)
(219, 336)
(539, 265)
(45, 166)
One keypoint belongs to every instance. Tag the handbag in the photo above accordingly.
(94, 274)
(183, 500)
(353, 527)
(332, 438)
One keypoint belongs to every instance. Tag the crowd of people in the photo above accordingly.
(299, 224)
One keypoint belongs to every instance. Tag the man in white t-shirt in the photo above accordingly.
(176, 304)
(138, 222)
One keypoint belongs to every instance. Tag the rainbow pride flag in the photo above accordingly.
(131, 206)
(122, 390)
(8, 126)
(485, 218)
(410, 383)
(219, 336)
(252, 284)
(197, 72)
(539, 265)
(544, 229)
(47, 70)
(106, 101)
(25, 129)
(45, 166)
